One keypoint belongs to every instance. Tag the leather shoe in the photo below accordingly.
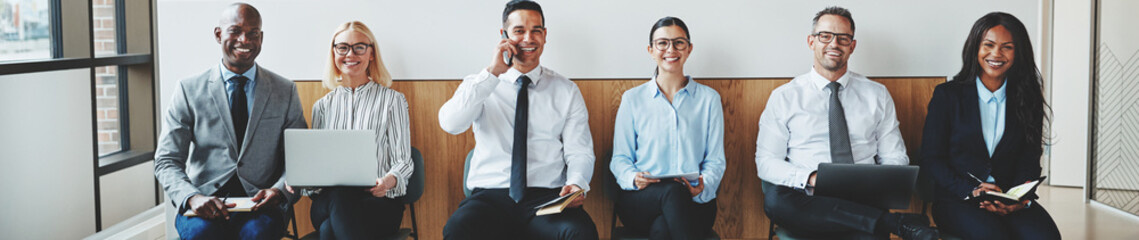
(915, 227)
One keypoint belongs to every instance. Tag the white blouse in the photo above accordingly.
(372, 106)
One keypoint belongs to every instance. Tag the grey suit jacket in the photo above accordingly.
(197, 151)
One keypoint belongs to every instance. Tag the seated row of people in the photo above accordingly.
(533, 141)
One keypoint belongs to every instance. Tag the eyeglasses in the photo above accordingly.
(844, 39)
(358, 48)
(663, 44)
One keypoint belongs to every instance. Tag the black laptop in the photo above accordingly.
(881, 186)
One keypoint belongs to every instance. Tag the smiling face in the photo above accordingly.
(831, 56)
(352, 64)
(525, 28)
(239, 34)
(996, 53)
(670, 59)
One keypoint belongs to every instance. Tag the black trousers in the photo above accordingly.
(969, 222)
(665, 210)
(353, 213)
(492, 214)
(820, 216)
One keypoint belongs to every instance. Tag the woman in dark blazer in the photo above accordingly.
(984, 131)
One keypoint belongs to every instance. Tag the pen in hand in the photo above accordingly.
(224, 205)
(979, 182)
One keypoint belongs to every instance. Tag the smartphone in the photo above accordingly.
(506, 56)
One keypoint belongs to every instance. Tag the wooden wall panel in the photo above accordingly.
(740, 214)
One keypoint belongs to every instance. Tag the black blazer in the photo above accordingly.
(952, 144)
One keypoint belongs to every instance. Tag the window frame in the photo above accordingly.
(121, 84)
(137, 64)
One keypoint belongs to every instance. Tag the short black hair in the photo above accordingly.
(670, 21)
(833, 10)
(516, 5)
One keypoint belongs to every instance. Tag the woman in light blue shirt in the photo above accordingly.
(666, 126)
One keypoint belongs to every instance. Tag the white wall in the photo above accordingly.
(589, 38)
(1070, 79)
(47, 152)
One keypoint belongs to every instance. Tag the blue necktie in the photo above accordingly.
(521, 122)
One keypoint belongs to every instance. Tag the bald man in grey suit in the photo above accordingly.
(222, 137)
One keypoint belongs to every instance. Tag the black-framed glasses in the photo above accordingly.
(358, 48)
(663, 44)
(844, 39)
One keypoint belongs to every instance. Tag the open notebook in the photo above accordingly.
(244, 204)
(1012, 196)
(558, 204)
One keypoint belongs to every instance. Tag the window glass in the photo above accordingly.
(105, 27)
(107, 110)
(25, 29)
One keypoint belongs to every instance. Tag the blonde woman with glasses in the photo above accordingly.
(361, 99)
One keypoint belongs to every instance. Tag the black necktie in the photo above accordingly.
(238, 108)
(521, 121)
(840, 136)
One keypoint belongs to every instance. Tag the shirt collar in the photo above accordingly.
(986, 96)
(367, 86)
(226, 74)
(821, 82)
(689, 87)
(511, 75)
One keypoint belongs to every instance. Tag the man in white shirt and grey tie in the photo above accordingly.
(516, 167)
(830, 115)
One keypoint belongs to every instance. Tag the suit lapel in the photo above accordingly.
(973, 115)
(221, 102)
(262, 93)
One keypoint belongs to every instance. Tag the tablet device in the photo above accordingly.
(691, 177)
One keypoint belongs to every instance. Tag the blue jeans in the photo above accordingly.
(266, 223)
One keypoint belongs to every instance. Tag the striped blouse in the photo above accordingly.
(372, 106)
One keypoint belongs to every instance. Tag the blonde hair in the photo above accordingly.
(376, 70)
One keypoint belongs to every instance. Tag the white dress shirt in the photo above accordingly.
(794, 137)
(559, 146)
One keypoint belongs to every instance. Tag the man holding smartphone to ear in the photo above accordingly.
(523, 156)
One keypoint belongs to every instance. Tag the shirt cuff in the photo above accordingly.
(799, 179)
(484, 76)
(628, 181)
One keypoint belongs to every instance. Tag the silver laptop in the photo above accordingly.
(881, 186)
(323, 158)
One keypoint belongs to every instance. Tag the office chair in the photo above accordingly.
(621, 233)
(414, 192)
(467, 168)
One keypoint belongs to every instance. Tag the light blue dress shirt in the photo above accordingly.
(992, 106)
(230, 85)
(654, 135)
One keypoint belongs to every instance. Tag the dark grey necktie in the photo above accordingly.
(521, 122)
(840, 136)
(238, 108)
